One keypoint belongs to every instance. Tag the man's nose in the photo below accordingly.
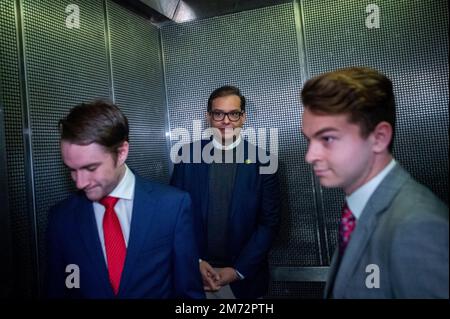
(312, 154)
(81, 180)
(226, 120)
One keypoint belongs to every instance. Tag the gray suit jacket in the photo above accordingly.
(404, 231)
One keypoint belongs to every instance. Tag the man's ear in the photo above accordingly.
(244, 117)
(122, 153)
(382, 136)
(208, 118)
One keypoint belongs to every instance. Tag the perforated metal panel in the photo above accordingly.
(299, 290)
(256, 51)
(10, 99)
(64, 67)
(411, 48)
(139, 90)
(5, 228)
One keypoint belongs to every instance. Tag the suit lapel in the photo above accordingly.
(353, 253)
(243, 178)
(144, 208)
(201, 181)
(377, 204)
(331, 277)
(90, 238)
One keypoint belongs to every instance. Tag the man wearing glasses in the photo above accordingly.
(235, 206)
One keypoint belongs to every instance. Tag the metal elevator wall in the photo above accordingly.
(46, 68)
(11, 99)
(5, 226)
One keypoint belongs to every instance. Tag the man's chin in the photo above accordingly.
(328, 182)
(93, 195)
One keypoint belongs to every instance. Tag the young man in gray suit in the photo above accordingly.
(393, 234)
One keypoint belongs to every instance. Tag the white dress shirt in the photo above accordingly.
(124, 207)
(359, 198)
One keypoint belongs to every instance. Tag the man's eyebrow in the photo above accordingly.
(235, 110)
(91, 164)
(323, 130)
(85, 166)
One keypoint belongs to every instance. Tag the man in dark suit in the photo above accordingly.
(120, 236)
(236, 207)
(393, 234)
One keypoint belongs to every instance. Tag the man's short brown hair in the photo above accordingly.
(363, 93)
(98, 122)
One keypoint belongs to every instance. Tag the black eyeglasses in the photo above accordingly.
(233, 116)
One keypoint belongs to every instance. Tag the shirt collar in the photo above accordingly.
(227, 147)
(359, 198)
(125, 188)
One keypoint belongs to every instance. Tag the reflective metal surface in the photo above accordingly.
(162, 12)
(304, 274)
(200, 9)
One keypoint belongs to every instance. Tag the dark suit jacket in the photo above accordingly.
(253, 218)
(161, 260)
(403, 230)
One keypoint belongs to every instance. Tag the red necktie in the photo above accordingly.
(114, 242)
(346, 227)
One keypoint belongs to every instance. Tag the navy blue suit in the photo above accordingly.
(161, 260)
(252, 222)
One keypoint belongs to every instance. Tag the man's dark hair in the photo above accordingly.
(98, 122)
(226, 90)
(363, 93)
